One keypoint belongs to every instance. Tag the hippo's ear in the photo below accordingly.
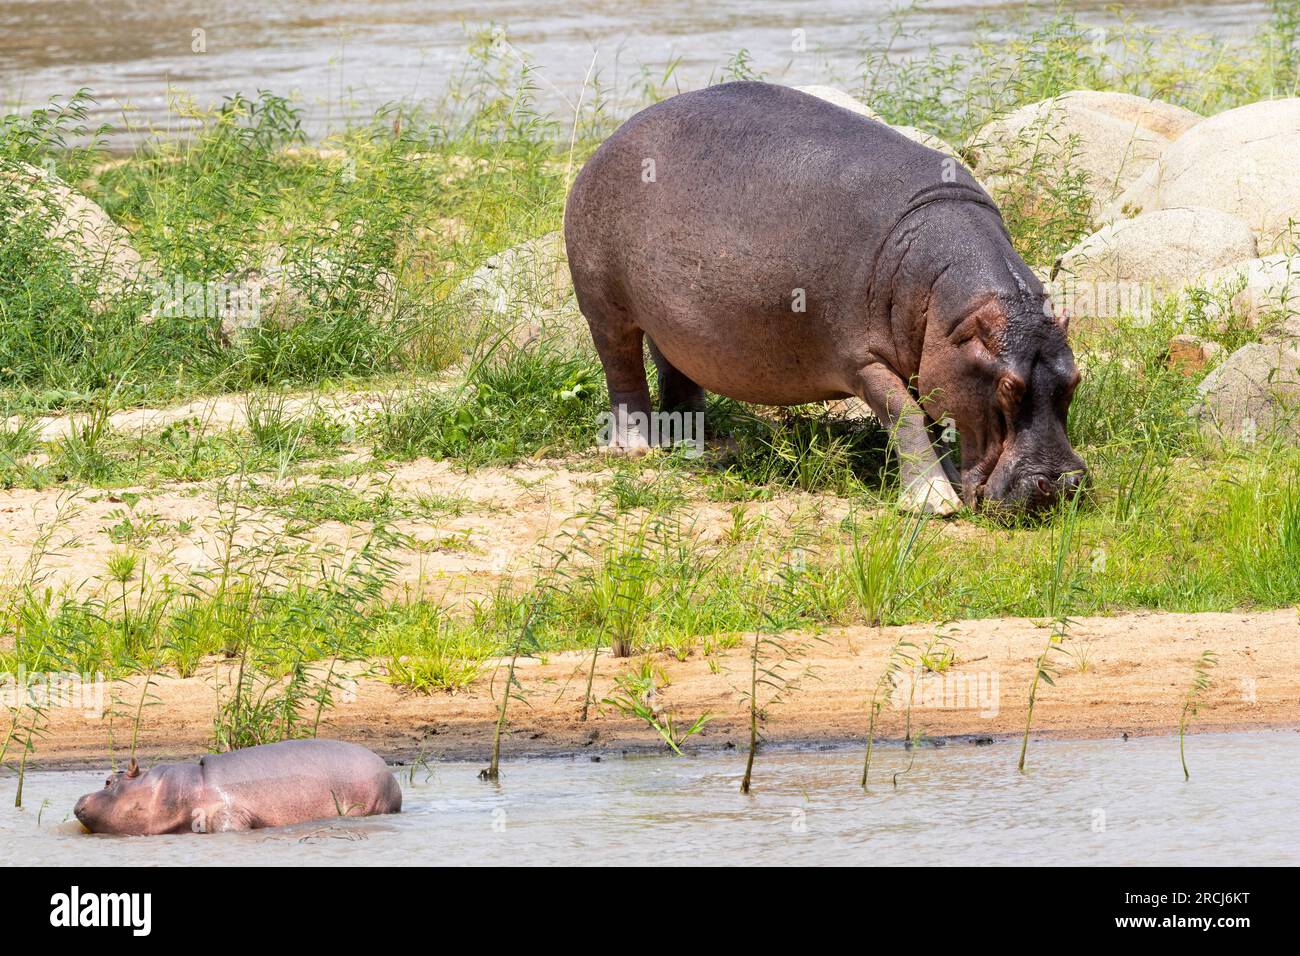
(132, 769)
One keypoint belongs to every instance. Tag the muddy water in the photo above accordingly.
(1106, 801)
(346, 56)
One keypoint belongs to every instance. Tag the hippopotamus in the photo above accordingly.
(775, 248)
(271, 785)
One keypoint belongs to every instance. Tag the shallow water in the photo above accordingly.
(346, 56)
(1093, 802)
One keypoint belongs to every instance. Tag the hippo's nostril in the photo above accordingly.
(1044, 486)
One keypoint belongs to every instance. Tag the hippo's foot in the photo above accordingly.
(628, 449)
(932, 495)
(627, 429)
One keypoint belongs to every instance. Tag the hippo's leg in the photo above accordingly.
(619, 344)
(677, 393)
(926, 487)
(219, 815)
(946, 452)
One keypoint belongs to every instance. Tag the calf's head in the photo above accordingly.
(131, 802)
(999, 366)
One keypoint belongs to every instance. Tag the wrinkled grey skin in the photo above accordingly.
(700, 222)
(273, 785)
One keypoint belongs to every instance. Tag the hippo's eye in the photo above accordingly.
(1011, 389)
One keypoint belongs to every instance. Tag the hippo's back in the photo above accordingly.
(295, 780)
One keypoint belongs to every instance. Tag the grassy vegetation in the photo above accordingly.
(381, 223)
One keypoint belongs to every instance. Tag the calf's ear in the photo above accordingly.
(132, 769)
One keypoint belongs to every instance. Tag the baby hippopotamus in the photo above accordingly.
(778, 249)
(273, 785)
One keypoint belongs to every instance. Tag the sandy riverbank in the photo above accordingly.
(1139, 667)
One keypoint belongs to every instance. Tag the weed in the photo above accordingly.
(1200, 684)
(639, 697)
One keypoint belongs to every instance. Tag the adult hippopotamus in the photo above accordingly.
(778, 249)
(272, 785)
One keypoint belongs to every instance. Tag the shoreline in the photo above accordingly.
(410, 759)
(1138, 669)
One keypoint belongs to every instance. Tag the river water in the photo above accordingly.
(344, 57)
(1083, 802)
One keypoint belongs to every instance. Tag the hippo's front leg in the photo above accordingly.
(219, 815)
(945, 451)
(926, 487)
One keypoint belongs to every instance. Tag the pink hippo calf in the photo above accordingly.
(273, 785)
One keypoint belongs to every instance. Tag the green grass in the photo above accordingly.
(539, 402)
(93, 454)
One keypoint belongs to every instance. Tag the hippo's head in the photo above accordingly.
(129, 803)
(999, 366)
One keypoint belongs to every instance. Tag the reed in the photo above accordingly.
(1200, 684)
(775, 655)
(1062, 585)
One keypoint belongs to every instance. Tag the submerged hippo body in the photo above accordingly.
(272, 785)
(778, 249)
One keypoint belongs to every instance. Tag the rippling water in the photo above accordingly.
(1103, 802)
(347, 56)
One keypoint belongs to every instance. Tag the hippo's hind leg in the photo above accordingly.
(926, 487)
(677, 393)
(681, 407)
(619, 344)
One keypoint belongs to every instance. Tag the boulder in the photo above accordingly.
(520, 282)
(524, 295)
(285, 287)
(1242, 162)
(1189, 353)
(831, 95)
(1254, 395)
(1264, 292)
(1071, 135)
(852, 409)
(98, 250)
(1166, 248)
(563, 326)
(1164, 119)
(279, 292)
